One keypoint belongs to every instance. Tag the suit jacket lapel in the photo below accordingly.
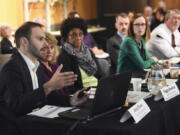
(40, 75)
(26, 72)
(118, 39)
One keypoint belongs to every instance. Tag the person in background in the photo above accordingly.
(131, 15)
(148, 13)
(76, 56)
(133, 55)
(161, 4)
(88, 39)
(48, 60)
(157, 18)
(113, 43)
(23, 86)
(7, 43)
(73, 14)
(42, 22)
(92, 45)
(165, 39)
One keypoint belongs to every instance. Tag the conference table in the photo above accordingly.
(164, 119)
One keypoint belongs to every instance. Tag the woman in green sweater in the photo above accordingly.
(133, 55)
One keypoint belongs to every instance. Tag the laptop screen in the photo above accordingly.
(110, 96)
(111, 93)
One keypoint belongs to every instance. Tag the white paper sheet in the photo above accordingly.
(102, 56)
(143, 81)
(49, 111)
(170, 81)
(135, 96)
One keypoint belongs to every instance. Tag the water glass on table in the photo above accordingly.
(137, 83)
(174, 72)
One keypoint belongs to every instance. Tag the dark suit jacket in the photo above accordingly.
(113, 47)
(70, 63)
(17, 89)
(6, 46)
(8, 124)
(154, 23)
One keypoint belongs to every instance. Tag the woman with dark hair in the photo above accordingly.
(88, 38)
(133, 55)
(76, 56)
(157, 18)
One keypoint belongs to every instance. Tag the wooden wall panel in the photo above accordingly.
(38, 10)
(169, 3)
(172, 4)
(57, 13)
(86, 8)
(12, 12)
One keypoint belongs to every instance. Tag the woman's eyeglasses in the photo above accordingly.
(76, 35)
(139, 24)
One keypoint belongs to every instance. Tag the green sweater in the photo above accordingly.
(129, 58)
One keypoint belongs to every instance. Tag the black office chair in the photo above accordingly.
(4, 59)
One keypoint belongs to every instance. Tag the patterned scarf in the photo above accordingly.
(83, 56)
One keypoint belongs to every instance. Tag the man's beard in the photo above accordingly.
(123, 31)
(34, 51)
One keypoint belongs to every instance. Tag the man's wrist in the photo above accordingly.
(47, 88)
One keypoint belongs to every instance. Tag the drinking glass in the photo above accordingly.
(156, 80)
(137, 84)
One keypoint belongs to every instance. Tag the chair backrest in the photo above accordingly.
(0, 48)
(4, 59)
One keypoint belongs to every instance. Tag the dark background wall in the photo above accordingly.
(106, 11)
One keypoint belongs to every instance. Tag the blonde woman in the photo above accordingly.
(48, 60)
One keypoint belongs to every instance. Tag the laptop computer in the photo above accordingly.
(110, 96)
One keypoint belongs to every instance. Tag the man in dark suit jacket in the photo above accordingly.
(6, 46)
(8, 124)
(113, 44)
(21, 79)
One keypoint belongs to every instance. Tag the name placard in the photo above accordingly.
(139, 110)
(170, 92)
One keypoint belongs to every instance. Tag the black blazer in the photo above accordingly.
(17, 89)
(8, 124)
(6, 46)
(70, 63)
(113, 47)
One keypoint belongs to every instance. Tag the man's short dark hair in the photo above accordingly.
(161, 11)
(25, 31)
(71, 23)
(123, 15)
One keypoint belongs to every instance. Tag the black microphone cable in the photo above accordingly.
(73, 126)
